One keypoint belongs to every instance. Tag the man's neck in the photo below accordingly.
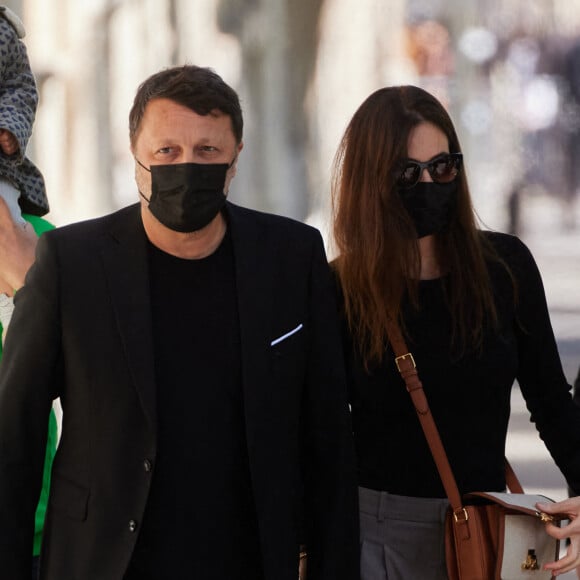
(189, 246)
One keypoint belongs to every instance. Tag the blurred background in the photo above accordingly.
(508, 71)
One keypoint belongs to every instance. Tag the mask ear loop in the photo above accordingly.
(233, 161)
(229, 167)
(141, 164)
(146, 169)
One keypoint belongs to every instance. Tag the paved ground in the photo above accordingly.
(557, 252)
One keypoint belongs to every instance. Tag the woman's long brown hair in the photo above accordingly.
(378, 261)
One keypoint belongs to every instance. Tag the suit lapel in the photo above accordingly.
(254, 264)
(126, 266)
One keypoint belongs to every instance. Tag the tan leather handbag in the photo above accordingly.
(488, 535)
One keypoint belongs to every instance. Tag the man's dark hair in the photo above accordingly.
(197, 88)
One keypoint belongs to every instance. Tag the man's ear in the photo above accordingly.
(234, 168)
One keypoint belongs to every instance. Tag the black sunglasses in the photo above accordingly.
(442, 169)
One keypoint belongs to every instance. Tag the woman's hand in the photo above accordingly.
(17, 250)
(571, 509)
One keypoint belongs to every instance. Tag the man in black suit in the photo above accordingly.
(195, 350)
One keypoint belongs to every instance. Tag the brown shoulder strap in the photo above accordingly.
(406, 366)
(511, 479)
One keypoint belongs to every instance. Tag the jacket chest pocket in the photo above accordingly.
(288, 350)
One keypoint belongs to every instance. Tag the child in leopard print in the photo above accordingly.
(21, 183)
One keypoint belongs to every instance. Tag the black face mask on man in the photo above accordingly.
(186, 197)
(430, 205)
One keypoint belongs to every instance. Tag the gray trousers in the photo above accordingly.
(402, 538)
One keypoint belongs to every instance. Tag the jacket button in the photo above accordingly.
(147, 465)
(132, 525)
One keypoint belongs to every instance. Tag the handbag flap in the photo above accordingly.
(526, 548)
(520, 502)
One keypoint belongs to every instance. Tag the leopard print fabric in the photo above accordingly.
(18, 101)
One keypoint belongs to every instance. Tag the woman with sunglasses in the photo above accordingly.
(471, 306)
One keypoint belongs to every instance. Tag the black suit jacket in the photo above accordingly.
(81, 331)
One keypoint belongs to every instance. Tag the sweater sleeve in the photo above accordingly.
(540, 374)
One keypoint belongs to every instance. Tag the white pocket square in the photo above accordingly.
(288, 334)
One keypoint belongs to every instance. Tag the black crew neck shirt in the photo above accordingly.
(200, 517)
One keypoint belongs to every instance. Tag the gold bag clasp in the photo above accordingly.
(531, 562)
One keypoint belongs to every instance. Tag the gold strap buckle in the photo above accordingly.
(461, 511)
(403, 357)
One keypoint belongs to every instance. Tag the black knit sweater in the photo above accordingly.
(470, 396)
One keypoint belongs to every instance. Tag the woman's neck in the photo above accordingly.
(430, 265)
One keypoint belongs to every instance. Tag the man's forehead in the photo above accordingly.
(164, 106)
(169, 120)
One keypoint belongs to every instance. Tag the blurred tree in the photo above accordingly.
(279, 43)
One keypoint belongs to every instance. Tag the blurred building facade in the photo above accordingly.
(302, 67)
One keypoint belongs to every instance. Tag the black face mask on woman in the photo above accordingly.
(185, 197)
(430, 205)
